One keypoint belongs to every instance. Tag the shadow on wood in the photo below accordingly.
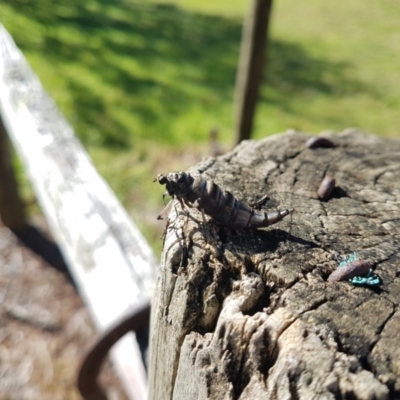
(35, 240)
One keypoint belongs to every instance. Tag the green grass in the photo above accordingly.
(142, 83)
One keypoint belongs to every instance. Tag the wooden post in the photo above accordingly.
(250, 314)
(251, 65)
(12, 209)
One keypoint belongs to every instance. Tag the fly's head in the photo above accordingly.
(177, 183)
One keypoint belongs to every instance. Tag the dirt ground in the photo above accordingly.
(44, 329)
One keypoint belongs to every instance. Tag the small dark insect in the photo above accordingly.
(350, 270)
(326, 187)
(219, 204)
(319, 141)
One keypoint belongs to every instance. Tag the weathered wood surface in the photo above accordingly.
(111, 262)
(249, 314)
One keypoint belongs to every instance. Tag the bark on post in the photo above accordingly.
(250, 314)
(12, 211)
(251, 65)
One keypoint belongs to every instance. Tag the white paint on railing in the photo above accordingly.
(109, 259)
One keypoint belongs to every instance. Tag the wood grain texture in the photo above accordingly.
(249, 314)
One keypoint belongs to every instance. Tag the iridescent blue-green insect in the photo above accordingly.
(358, 272)
(370, 279)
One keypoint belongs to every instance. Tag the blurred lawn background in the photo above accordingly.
(142, 83)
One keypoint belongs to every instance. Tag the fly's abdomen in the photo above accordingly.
(232, 213)
(262, 219)
(224, 208)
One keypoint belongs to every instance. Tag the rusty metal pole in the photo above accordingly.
(12, 211)
(251, 65)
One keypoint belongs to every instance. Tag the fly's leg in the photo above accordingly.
(164, 213)
(177, 228)
(165, 194)
(197, 205)
(185, 211)
(259, 203)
